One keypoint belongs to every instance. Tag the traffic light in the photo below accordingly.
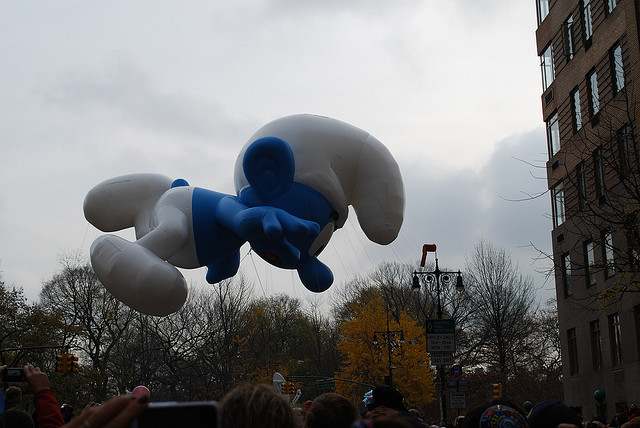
(61, 363)
(66, 363)
(73, 363)
(496, 391)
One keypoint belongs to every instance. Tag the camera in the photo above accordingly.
(13, 375)
(171, 414)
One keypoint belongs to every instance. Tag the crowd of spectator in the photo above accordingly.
(248, 406)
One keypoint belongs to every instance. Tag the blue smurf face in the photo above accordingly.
(269, 167)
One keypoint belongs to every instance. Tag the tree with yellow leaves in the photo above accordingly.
(366, 354)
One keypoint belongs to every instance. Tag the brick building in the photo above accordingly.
(589, 51)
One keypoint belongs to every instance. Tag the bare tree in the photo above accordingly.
(322, 336)
(96, 320)
(504, 309)
(223, 310)
(13, 322)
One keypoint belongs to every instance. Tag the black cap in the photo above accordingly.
(552, 413)
(388, 397)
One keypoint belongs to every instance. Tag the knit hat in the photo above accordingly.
(552, 413)
(495, 414)
(502, 416)
(384, 396)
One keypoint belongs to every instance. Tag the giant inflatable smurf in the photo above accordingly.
(295, 179)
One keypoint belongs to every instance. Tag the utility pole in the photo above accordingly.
(389, 337)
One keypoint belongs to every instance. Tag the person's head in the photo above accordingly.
(416, 414)
(618, 420)
(392, 422)
(634, 411)
(248, 406)
(494, 414)
(553, 413)
(12, 397)
(330, 410)
(15, 418)
(459, 421)
(633, 423)
(386, 396)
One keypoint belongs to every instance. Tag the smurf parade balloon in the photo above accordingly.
(295, 179)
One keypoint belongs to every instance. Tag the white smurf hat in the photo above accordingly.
(346, 165)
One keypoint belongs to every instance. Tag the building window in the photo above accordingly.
(575, 108)
(553, 135)
(566, 274)
(572, 345)
(589, 263)
(548, 69)
(607, 254)
(558, 205)
(569, 49)
(626, 149)
(615, 339)
(587, 21)
(617, 68)
(543, 10)
(594, 95)
(596, 344)
(633, 243)
(611, 4)
(598, 171)
(581, 181)
(636, 316)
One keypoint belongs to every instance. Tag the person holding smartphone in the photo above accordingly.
(47, 413)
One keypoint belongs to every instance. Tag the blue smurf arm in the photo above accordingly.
(265, 223)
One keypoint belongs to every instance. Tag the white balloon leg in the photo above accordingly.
(138, 277)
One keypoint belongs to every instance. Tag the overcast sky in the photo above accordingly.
(92, 90)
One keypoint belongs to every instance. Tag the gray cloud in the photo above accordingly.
(456, 209)
(366, 7)
(123, 90)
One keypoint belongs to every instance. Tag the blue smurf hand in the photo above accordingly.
(275, 232)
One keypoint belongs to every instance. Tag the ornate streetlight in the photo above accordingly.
(441, 279)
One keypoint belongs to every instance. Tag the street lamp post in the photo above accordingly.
(441, 278)
(389, 337)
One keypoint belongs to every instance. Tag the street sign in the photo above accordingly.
(457, 400)
(441, 327)
(441, 358)
(441, 341)
(456, 371)
(459, 385)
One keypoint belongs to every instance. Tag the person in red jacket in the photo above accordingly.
(47, 414)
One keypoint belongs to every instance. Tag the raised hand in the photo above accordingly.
(115, 413)
(36, 379)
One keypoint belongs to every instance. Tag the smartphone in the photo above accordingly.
(171, 414)
(13, 374)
